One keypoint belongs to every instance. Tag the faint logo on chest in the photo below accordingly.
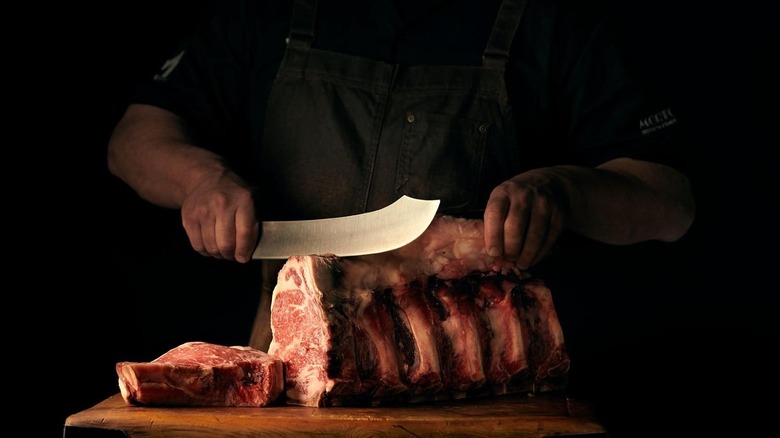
(657, 121)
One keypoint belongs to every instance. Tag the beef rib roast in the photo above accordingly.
(435, 319)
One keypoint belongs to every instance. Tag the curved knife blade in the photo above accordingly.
(377, 231)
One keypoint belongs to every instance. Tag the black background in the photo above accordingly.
(103, 276)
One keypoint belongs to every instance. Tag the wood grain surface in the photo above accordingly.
(510, 415)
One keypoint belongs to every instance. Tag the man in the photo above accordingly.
(525, 113)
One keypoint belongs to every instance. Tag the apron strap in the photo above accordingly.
(508, 19)
(302, 25)
(495, 56)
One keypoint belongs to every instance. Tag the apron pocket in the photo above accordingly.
(441, 158)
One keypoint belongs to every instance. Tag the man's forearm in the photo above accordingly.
(626, 201)
(149, 150)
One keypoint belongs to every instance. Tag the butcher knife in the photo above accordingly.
(377, 231)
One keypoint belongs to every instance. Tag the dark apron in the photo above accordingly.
(345, 135)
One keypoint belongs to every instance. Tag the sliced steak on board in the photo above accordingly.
(203, 374)
(436, 319)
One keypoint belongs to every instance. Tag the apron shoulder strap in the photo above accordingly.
(495, 55)
(508, 19)
(302, 25)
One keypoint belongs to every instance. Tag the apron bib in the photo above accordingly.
(346, 135)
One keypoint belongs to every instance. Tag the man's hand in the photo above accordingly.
(219, 217)
(620, 202)
(525, 216)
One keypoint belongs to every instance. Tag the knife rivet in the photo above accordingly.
(410, 117)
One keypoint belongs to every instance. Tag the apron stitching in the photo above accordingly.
(378, 129)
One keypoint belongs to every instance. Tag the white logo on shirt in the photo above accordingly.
(657, 121)
(168, 67)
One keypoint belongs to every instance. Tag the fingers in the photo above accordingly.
(247, 228)
(516, 226)
(221, 223)
(495, 217)
(224, 243)
(507, 217)
(523, 219)
(537, 235)
(194, 224)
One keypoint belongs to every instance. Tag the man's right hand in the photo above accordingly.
(218, 215)
(151, 151)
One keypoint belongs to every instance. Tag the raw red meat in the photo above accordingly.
(203, 374)
(436, 319)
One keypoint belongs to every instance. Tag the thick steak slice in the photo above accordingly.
(203, 374)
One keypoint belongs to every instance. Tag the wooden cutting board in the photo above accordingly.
(515, 415)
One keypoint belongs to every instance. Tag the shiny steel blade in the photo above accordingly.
(368, 233)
